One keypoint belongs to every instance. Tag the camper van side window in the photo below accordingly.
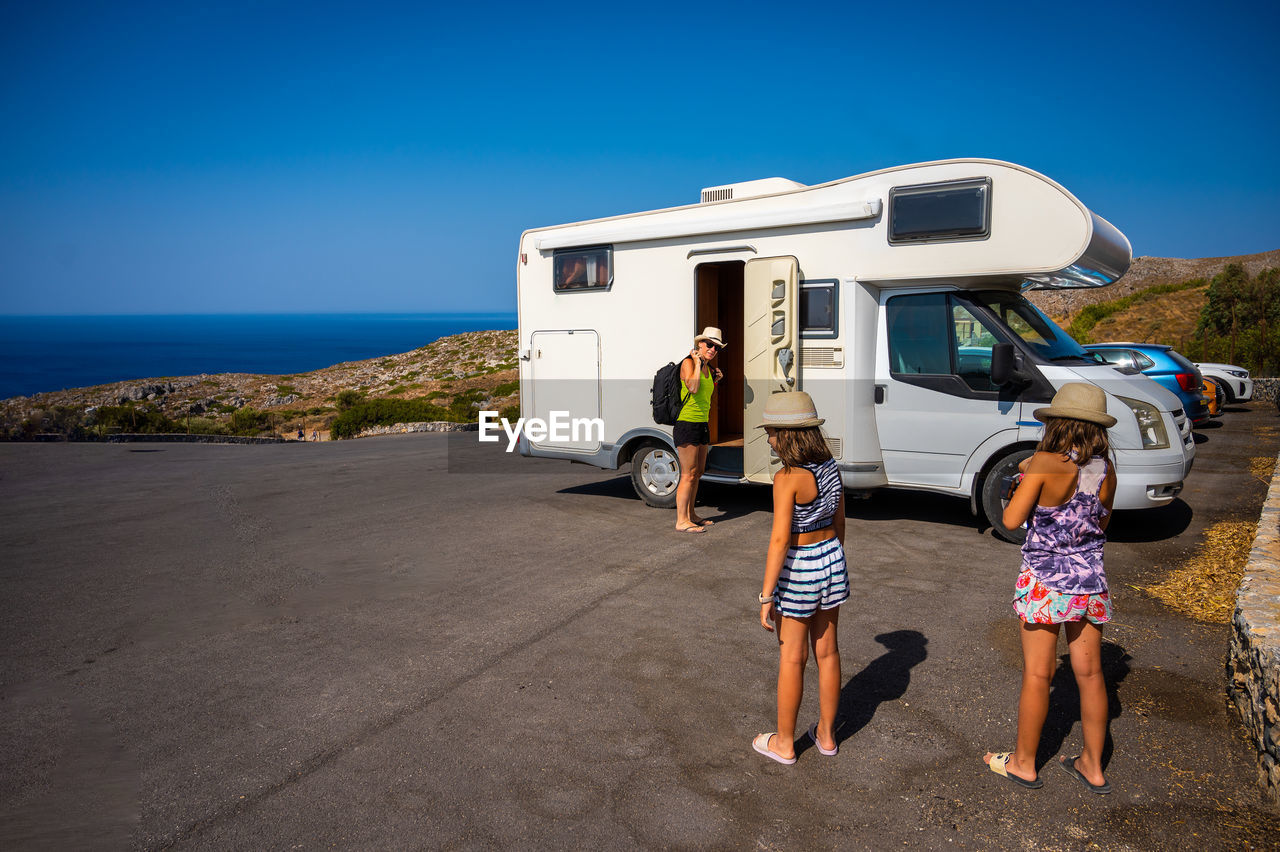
(818, 309)
(582, 269)
(932, 334)
(919, 335)
(940, 212)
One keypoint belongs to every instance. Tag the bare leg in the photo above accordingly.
(1084, 642)
(826, 652)
(793, 653)
(697, 479)
(686, 488)
(1039, 659)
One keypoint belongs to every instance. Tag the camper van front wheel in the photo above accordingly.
(655, 473)
(993, 491)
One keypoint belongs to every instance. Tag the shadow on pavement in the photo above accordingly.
(891, 504)
(1064, 704)
(884, 679)
(1139, 525)
(619, 487)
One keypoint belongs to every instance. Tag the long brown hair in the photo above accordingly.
(1064, 434)
(801, 446)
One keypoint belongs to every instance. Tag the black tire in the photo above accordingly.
(993, 502)
(655, 475)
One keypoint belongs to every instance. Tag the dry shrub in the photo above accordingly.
(1204, 587)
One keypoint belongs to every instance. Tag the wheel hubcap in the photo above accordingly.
(660, 472)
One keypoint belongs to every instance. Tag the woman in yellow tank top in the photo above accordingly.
(692, 432)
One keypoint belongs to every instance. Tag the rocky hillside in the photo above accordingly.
(1146, 272)
(476, 363)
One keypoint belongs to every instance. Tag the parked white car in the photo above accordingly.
(1234, 380)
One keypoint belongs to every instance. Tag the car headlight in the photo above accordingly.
(1239, 374)
(1150, 423)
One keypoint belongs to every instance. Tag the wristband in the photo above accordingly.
(764, 599)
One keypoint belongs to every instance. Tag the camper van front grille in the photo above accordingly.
(717, 194)
(822, 356)
(836, 446)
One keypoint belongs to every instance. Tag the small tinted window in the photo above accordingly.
(818, 309)
(583, 269)
(1181, 360)
(1142, 362)
(919, 334)
(955, 210)
(973, 341)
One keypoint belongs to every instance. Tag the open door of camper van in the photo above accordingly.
(770, 350)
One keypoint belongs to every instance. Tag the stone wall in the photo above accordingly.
(1266, 389)
(1253, 666)
(126, 438)
(429, 426)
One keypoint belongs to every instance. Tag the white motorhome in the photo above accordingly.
(894, 298)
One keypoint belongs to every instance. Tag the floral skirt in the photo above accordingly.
(1037, 604)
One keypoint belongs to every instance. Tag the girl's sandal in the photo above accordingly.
(997, 764)
(761, 744)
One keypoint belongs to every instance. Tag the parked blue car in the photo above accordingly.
(1163, 364)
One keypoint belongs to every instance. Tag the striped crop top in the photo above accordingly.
(819, 511)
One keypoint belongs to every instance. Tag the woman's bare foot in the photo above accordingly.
(693, 528)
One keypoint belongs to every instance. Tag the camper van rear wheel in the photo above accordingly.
(993, 502)
(655, 473)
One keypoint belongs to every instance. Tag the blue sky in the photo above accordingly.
(312, 157)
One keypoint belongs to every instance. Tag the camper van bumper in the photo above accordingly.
(1144, 486)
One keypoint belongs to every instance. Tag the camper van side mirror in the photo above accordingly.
(1004, 366)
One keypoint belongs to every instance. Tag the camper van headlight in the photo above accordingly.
(1150, 424)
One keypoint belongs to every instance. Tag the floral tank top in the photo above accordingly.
(1064, 543)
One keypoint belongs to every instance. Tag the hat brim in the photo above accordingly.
(802, 424)
(1070, 412)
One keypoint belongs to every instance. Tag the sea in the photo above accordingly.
(49, 353)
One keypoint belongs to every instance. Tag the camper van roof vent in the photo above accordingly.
(748, 189)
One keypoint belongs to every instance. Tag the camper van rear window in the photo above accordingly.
(940, 212)
(583, 269)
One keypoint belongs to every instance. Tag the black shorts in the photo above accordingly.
(686, 433)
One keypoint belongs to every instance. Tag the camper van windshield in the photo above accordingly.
(1033, 327)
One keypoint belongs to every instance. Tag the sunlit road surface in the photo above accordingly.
(348, 645)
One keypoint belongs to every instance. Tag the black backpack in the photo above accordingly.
(668, 393)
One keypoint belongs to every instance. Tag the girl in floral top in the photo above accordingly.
(1065, 499)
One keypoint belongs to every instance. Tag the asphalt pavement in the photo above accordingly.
(416, 642)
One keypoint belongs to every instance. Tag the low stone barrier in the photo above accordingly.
(128, 437)
(1253, 666)
(428, 426)
(1266, 389)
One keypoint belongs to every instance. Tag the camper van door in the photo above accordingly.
(565, 387)
(939, 403)
(771, 352)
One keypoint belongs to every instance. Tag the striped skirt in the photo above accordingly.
(813, 577)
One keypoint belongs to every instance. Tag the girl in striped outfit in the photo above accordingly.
(805, 580)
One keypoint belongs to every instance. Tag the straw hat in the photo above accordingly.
(713, 334)
(790, 410)
(1078, 401)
